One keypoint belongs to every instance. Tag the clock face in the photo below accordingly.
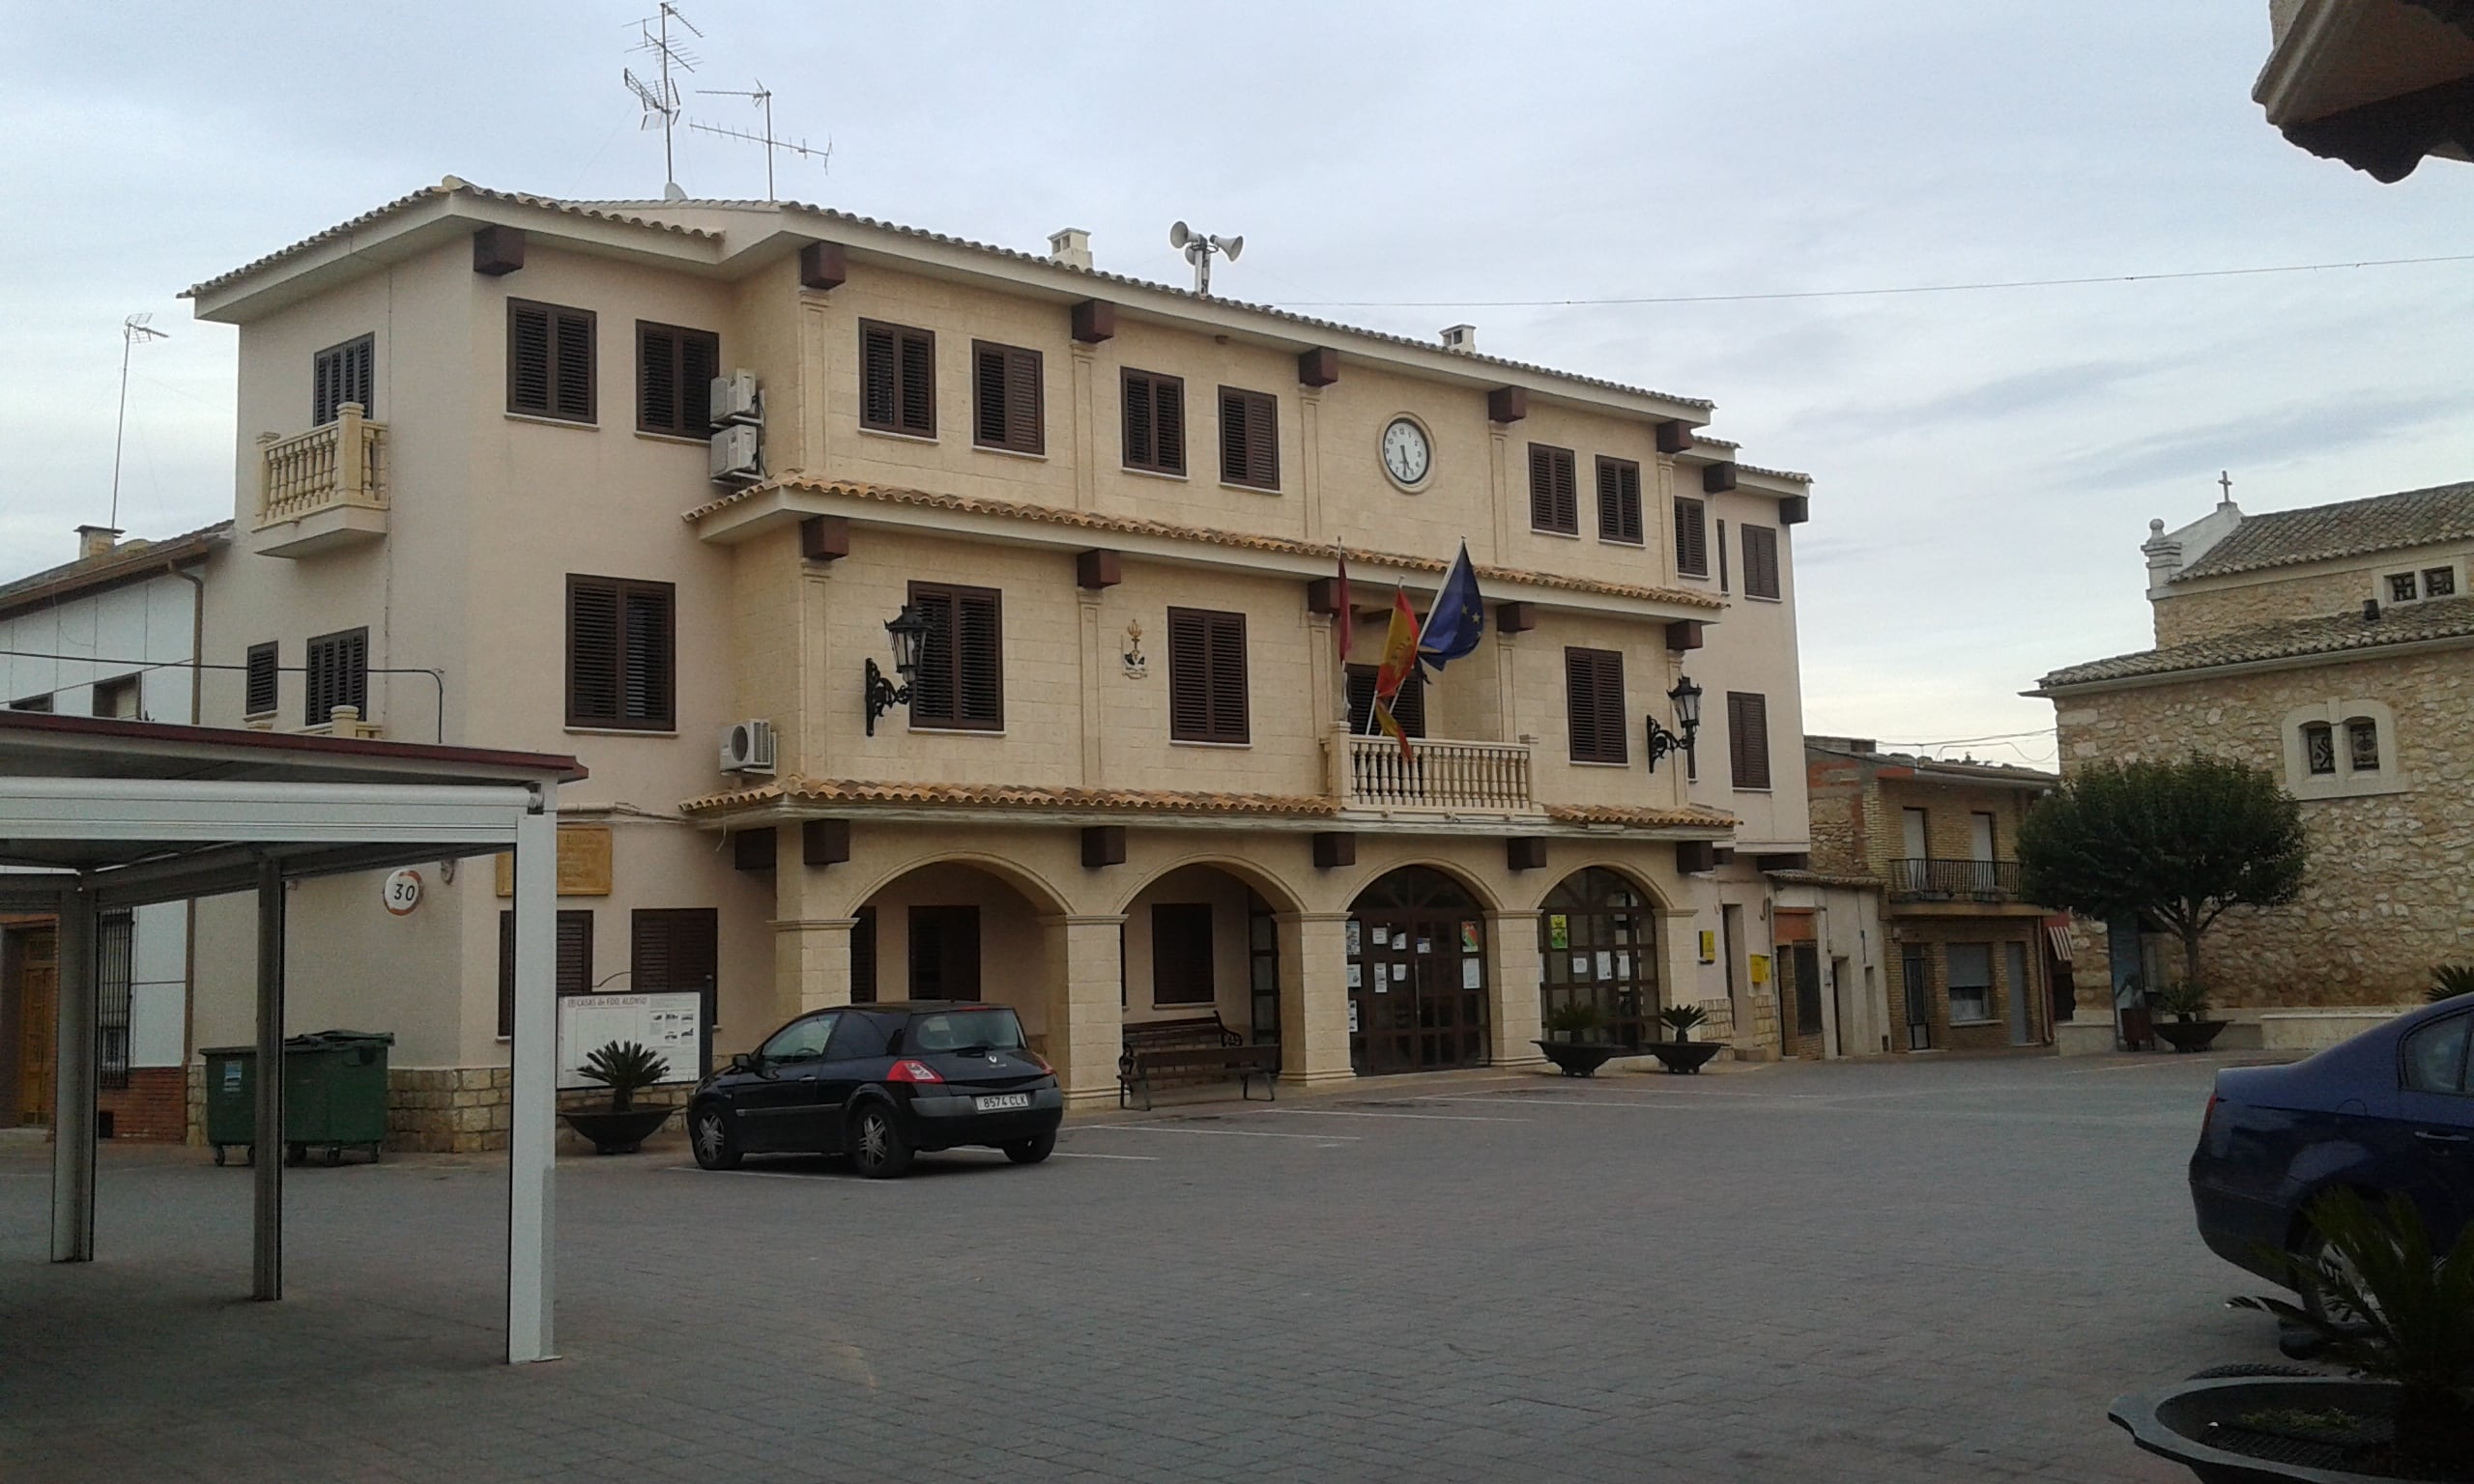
(1405, 456)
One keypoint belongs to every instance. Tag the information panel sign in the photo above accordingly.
(669, 1025)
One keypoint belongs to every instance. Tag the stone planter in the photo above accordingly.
(2188, 1035)
(2196, 1424)
(1683, 1055)
(618, 1134)
(1578, 1058)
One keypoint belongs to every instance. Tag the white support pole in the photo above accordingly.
(532, 1155)
(267, 1149)
(73, 1092)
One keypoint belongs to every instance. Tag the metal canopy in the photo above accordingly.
(98, 814)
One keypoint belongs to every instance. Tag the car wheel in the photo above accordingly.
(1033, 1150)
(878, 1147)
(2310, 1250)
(715, 1141)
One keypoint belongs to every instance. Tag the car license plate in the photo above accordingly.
(1003, 1101)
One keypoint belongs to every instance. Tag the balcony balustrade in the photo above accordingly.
(1475, 777)
(323, 488)
(1935, 880)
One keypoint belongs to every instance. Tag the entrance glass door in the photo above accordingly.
(1417, 970)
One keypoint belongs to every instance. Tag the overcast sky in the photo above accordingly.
(1985, 463)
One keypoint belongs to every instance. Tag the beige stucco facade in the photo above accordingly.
(486, 513)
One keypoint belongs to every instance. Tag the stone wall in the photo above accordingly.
(2203, 611)
(2388, 894)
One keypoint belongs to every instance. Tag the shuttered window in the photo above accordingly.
(1248, 438)
(549, 362)
(675, 951)
(1206, 675)
(1005, 398)
(1180, 957)
(1760, 561)
(1748, 738)
(962, 659)
(1408, 709)
(863, 957)
(1619, 500)
(1554, 495)
(575, 960)
(897, 379)
(620, 656)
(1155, 422)
(1692, 537)
(340, 374)
(259, 681)
(339, 675)
(675, 371)
(1594, 697)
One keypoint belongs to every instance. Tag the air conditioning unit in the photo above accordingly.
(736, 399)
(737, 457)
(747, 747)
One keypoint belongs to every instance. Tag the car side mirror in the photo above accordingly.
(744, 1061)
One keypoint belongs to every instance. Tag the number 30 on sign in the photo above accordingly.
(403, 891)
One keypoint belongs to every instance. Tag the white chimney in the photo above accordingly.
(1461, 337)
(95, 541)
(1070, 246)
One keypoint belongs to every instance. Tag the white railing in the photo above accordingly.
(339, 463)
(1437, 774)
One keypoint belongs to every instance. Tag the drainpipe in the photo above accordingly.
(197, 635)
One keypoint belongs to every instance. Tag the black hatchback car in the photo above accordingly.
(881, 1083)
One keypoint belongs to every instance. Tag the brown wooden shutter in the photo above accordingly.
(863, 957)
(961, 680)
(1025, 415)
(340, 374)
(259, 687)
(593, 652)
(1229, 719)
(674, 950)
(699, 360)
(575, 951)
(989, 399)
(1168, 420)
(880, 378)
(573, 384)
(528, 359)
(1005, 398)
(1594, 691)
(648, 668)
(932, 685)
(1248, 438)
(549, 362)
(1554, 495)
(1760, 561)
(1748, 738)
(1207, 700)
(656, 378)
(1141, 443)
(337, 675)
(1691, 537)
(918, 382)
(1619, 500)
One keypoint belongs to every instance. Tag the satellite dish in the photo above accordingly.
(1231, 246)
(1178, 236)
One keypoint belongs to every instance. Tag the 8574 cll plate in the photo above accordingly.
(1003, 1101)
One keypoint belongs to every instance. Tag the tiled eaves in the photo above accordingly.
(127, 561)
(1134, 800)
(2331, 532)
(1134, 526)
(450, 186)
(1825, 878)
(1696, 816)
(2302, 639)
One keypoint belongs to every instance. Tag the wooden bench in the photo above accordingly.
(1192, 1046)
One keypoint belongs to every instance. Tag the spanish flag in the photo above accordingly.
(1400, 661)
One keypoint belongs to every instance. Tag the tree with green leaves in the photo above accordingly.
(2174, 843)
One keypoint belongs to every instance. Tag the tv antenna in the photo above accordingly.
(1200, 249)
(134, 331)
(763, 99)
(660, 97)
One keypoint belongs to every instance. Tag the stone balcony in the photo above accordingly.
(1439, 775)
(322, 489)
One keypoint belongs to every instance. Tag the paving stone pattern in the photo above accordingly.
(1931, 1270)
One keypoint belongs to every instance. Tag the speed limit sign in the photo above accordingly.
(403, 891)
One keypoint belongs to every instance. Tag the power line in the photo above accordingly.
(1919, 287)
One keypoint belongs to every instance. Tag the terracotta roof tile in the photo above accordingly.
(2351, 528)
(1824, 878)
(121, 561)
(1152, 801)
(1689, 816)
(2301, 638)
(1121, 524)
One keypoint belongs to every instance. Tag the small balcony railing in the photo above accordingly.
(1490, 776)
(1922, 879)
(333, 465)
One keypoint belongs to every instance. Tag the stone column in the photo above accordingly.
(811, 933)
(1513, 987)
(1314, 997)
(1679, 948)
(1085, 978)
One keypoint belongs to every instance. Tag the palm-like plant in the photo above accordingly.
(1573, 1018)
(2392, 1311)
(625, 1066)
(2451, 980)
(2185, 1002)
(1682, 1020)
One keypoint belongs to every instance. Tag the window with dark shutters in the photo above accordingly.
(549, 362)
(339, 675)
(675, 951)
(622, 667)
(1155, 422)
(340, 374)
(863, 957)
(1554, 494)
(1005, 398)
(897, 379)
(1408, 709)
(1594, 694)
(575, 960)
(1206, 675)
(259, 681)
(1748, 738)
(961, 658)
(1760, 561)
(1248, 438)
(1619, 502)
(1180, 957)
(1691, 537)
(675, 371)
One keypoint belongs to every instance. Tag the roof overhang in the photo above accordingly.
(2313, 660)
(2379, 84)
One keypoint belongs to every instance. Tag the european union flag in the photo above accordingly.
(1460, 617)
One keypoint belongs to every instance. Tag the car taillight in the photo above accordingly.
(2208, 1117)
(908, 1070)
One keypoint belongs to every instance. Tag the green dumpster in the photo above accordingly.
(334, 1095)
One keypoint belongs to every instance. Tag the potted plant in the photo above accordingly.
(1683, 1053)
(1566, 1024)
(625, 1068)
(2451, 980)
(2189, 1030)
(2401, 1319)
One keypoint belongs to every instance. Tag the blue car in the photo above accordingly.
(2389, 1111)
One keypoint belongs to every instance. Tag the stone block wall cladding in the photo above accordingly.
(2187, 614)
(452, 1110)
(1835, 786)
(2388, 894)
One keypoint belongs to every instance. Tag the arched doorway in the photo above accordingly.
(1417, 950)
(953, 931)
(1597, 943)
(1200, 941)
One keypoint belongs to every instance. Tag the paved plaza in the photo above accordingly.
(1928, 1270)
